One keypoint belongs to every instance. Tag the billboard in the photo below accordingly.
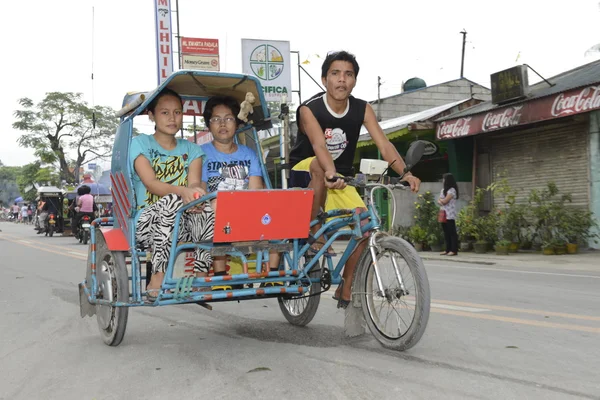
(269, 61)
(202, 54)
(164, 44)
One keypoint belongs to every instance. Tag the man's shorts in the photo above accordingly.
(347, 198)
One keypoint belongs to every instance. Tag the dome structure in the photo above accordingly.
(413, 84)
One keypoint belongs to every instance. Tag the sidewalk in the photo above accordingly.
(585, 260)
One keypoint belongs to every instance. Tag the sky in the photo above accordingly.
(55, 45)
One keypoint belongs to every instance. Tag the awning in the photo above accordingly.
(396, 127)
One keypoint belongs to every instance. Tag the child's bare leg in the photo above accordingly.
(219, 264)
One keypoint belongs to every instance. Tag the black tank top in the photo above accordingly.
(341, 132)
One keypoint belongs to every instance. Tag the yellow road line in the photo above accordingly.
(541, 324)
(520, 310)
(34, 246)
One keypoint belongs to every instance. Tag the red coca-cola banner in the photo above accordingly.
(571, 102)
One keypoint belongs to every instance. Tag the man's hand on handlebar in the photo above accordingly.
(413, 181)
(332, 181)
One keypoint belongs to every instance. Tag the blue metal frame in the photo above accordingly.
(296, 277)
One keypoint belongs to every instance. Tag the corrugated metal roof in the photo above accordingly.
(395, 124)
(578, 77)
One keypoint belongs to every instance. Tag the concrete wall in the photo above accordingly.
(426, 98)
(405, 200)
(595, 168)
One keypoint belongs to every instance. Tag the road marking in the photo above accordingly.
(35, 246)
(25, 241)
(459, 308)
(517, 271)
(78, 254)
(522, 310)
(541, 324)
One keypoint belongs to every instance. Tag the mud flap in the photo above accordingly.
(354, 321)
(85, 308)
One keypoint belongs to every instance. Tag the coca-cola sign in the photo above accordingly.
(509, 117)
(454, 128)
(587, 99)
(570, 102)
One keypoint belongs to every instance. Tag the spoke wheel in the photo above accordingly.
(396, 314)
(113, 285)
(301, 310)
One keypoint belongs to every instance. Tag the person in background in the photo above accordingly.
(447, 201)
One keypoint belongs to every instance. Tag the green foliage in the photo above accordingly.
(35, 173)
(417, 234)
(426, 210)
(63, 124)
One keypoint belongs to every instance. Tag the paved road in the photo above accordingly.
(495, 332)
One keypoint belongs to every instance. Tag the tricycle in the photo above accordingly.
(390, 285)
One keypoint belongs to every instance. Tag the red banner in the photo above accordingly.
(199, 46)
(571, 102)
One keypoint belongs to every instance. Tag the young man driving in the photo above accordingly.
(329, 125)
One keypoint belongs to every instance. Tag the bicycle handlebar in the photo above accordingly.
(395, 182)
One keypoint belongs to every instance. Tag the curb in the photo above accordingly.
(458, 260)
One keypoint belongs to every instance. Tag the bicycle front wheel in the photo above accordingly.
(396, 313)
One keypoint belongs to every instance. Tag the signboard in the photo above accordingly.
(164, 45)
(205, 63)
(269, 61)
(509, 85)
(91, 166)
(193, 107)
(571, 102)
(202, 54)
(200, 46)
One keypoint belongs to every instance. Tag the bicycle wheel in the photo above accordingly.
(113, 284)
(301, 310)
(396, 314)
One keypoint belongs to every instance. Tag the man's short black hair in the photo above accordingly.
(339, 56)
(226, 101)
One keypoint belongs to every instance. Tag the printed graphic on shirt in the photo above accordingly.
(168, 169)
(336, 141)
(232, 176)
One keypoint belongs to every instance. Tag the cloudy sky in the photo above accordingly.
(48, 44)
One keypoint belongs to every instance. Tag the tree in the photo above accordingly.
(64, 129)
(34, 173)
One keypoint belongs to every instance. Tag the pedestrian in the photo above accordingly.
(329, 125)
(29, 213)
(24, 216)
(447, 215)
(15, 212)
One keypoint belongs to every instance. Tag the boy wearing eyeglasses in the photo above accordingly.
(329, 125)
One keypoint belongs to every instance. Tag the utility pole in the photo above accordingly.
(462, 60)
(378, 99)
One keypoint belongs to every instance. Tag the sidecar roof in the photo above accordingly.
(198, 85)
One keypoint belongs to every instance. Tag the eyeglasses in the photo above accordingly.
(219, 120)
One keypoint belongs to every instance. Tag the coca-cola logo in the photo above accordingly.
(587, 99)
(509, 117)
(452, 129)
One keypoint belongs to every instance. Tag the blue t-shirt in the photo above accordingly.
(170, 166)
(232, 171)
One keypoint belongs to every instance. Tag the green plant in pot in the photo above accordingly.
(417, 236)
(502, 246)
(464, 226)
(577, 228)
(435, 242)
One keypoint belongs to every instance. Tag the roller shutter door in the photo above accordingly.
(532, 157)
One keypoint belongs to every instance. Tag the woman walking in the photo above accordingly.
(447, 202)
